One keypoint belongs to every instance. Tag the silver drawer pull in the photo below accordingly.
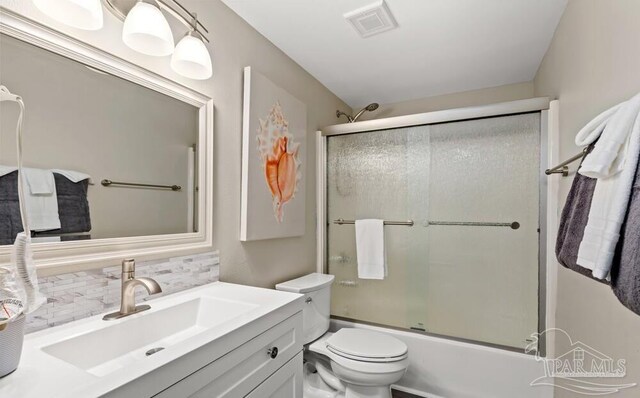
(308, 300)
(272, 352)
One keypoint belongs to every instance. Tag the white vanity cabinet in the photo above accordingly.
(271, 361)
(216, 340)
(262, 358)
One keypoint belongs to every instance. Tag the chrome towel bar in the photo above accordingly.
(562, 167)
(410, 223)
(108, 183)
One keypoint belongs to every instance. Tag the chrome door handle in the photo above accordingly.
(308, 300)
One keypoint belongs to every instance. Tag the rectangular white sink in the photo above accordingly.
(92, 357)
(118, 345)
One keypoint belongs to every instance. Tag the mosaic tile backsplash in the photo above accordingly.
(79, 295)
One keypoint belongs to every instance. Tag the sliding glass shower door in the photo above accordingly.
(468, 267)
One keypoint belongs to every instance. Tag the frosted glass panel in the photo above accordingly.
(473, 282)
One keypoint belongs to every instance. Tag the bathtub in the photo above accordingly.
(443, 368)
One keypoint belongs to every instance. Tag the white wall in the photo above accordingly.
(234, 45)
(593, 63)
(103, 126)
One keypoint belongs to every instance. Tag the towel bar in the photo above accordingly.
(108, 183)
(562, 167)
(410, 223)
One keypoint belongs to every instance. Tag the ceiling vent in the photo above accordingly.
(372, 19)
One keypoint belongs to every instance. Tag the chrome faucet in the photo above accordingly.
(127, 296)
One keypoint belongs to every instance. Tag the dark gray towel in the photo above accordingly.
(572, 223)
(73, 207)
(625, 274)
(10, 222)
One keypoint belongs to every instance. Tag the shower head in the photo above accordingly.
(369, 108)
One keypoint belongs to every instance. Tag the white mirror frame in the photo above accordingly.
(62, 257)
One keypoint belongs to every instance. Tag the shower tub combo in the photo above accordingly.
(464, 198)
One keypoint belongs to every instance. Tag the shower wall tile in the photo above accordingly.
(83, 294)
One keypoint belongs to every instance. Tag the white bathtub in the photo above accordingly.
(442, 368)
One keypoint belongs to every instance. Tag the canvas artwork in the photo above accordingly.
(273, 161)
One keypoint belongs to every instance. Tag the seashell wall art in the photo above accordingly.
(274, 126)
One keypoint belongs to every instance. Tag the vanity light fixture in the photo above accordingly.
(145, 30)
(191, 58)
(81, 14)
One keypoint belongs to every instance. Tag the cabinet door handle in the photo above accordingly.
(272, 352)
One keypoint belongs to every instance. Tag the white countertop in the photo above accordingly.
(41, 375)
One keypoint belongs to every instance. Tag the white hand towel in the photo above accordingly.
(42, 211)
(39, 181)
(372, 262)
(613, 189)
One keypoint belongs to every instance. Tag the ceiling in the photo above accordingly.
(439, 47)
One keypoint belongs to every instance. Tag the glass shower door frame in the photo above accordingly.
(533, 105)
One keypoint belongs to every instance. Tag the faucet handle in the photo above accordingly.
(128, 266)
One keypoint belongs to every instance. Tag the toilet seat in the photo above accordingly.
(366, 359)
(368, 366)
(367, 346)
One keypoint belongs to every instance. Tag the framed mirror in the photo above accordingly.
(118, 159)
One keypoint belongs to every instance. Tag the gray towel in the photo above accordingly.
(572, 223)
(10, 222)
(625, 274)
(73, 207)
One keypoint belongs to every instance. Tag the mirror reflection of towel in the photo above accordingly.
(41, 200)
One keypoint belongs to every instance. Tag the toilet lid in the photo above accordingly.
(366, 345)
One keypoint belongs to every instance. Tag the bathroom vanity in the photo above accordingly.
(217, 340)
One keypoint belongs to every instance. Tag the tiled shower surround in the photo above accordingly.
(79, 295)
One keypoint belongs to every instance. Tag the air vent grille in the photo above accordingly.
(372, 19)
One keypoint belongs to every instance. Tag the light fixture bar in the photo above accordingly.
(163, 4)
(192, 15)
(120, 8)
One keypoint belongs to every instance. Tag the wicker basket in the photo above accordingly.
(11, 339)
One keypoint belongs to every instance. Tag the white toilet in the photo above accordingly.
(350, 363)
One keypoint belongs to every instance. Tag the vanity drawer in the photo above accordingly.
(285, 383)
(243, 369)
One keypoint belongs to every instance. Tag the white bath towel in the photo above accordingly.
(370, 252)
(592, 130)
(72, 175)
(614, 165)
(4, 170)
(608, 155)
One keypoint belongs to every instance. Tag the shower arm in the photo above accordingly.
(354, 118)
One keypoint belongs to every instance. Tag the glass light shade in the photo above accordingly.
(192, 59)
(81, 14)
(147, 31)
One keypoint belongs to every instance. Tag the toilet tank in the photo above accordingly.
(317, 308)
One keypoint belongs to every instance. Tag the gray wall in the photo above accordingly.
(593, 63)
(106, 127)
(234, 45)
